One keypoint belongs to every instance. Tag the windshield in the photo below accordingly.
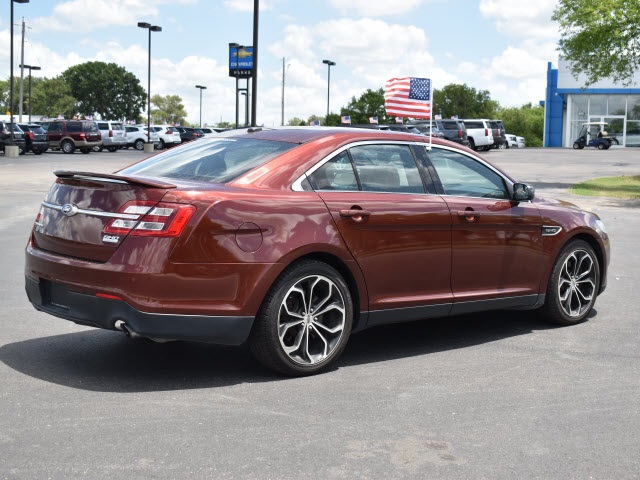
(218, 161)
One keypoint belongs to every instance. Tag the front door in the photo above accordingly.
(496, 243)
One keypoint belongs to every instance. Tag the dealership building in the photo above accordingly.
(568, 106)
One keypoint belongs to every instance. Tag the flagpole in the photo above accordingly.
(430, 116)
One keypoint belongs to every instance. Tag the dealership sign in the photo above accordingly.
(241, 62)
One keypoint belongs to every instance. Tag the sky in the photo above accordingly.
(502, 46)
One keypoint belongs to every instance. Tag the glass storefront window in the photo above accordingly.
(597, 105)
(633, 133)
(579, 107)
(633, 107)
(617, 104)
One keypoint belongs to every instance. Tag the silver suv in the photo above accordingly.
(114, 136)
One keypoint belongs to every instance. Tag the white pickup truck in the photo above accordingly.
(479, 134)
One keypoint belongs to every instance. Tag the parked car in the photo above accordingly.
(292, 239)
(18, 136)
(479, 134)
(451, 129)
(69, 135)
(512, 141)
(169, 135)
(208, 131)
(187, 134)
(137, 136)
(521, 142)
(499, 135)
(35, 138)
(113, 135)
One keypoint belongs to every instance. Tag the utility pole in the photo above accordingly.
(282, 121)
(22, 70)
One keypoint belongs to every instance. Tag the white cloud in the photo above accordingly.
(375, 8)
(518, 19)
(245, 5)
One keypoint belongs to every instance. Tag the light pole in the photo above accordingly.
(329, 64)
(12, 152)
(148, 146)
(30, 67)
(201, 87)
(238, 47)
(246, 106)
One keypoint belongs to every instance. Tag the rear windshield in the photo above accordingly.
(219, 161)
(450, 125)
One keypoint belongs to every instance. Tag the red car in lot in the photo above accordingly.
(292, 239)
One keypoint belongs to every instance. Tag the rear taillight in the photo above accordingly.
(168, 132)
(110, 133)
(29, 135)
(83, 136)
(460, 134)
(161, 220)
(486, 132)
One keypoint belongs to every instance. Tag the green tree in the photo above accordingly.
(51, 97)
(369, 104)
(105, 89)
(463, 101)
(296, 122)
(600, 38)
(526, 121)
(168, 109)
(333, 119)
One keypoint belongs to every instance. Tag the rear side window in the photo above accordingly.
(450, 125)
(103, 126)
(117, 126)
(216, 162)
(55, 127)
(472, 124)
(90, 127)
(74, 127)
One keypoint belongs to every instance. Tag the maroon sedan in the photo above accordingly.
(291, 239)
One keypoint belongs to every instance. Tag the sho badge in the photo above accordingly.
(110, 239)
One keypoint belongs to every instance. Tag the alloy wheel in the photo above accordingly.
(311, 320)
(577, 283)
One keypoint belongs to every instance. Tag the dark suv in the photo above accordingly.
(5, 136)
(499, 134)
(452, 130)
(68, 135)
(35, 138)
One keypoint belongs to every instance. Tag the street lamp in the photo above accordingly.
(30, 67)
(238, 47)
(329, 64)
(201, 87)
(246, 106)
(12, 152)
(148, 146)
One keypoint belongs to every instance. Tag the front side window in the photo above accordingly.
(464, 176)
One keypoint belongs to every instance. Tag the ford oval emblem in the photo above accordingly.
(69, 209)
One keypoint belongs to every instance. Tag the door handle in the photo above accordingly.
(469, 215)
(355, 213)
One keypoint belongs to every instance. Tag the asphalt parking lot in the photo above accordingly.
(488, 396)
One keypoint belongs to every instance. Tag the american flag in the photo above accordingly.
(399, 120)
(345, 119)
(314, 123)
(373, 119)
(408, 97)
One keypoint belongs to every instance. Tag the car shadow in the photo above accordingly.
(99, 360)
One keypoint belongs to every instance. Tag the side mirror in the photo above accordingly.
(523, 192)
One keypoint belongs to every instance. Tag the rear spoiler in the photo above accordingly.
(66, 174)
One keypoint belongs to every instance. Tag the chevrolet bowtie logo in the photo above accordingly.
(69, 209)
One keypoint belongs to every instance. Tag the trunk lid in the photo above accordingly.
(81, 205)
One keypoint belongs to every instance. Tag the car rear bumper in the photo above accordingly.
(56, 299)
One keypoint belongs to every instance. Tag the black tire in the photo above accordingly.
(602, 146)
(85, 150)
(310, 345)
(113, 149)
(37, 152)
(506, 145)
(577, 146)
(139, 144)
(472, 144)
(161, 145)
(614, 141)
(68, 146)
(573, 286)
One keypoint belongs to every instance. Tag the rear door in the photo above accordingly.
(399, 234)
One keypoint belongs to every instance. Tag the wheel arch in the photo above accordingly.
(354, 282)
